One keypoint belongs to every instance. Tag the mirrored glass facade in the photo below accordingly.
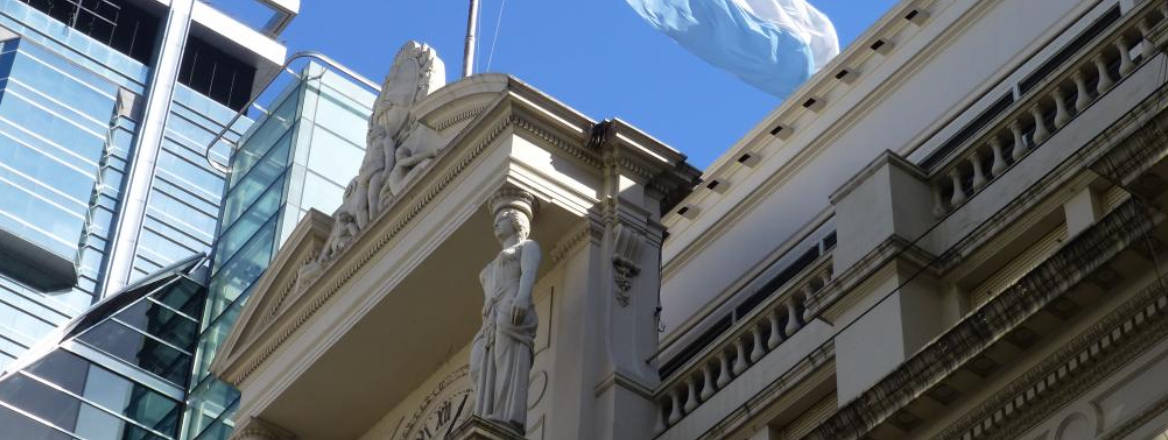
(73, 76)
(298, 157)
(116, 372)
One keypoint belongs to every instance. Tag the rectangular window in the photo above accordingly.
(116, 23)
(212, 72)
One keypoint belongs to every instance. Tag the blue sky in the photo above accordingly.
(597, 56)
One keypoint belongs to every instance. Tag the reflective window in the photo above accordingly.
(138, 349)
(18, 426)
(161, 322)
(242, 269)
(108, 390)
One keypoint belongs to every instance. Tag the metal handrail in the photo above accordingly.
(296, 56)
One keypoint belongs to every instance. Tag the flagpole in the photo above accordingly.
(472, 25)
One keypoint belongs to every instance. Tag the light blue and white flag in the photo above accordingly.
(774, 45)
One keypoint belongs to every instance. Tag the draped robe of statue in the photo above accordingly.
(501, 354)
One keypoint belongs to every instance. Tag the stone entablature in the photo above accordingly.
(600, 188)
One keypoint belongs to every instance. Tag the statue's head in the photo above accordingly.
(511, 222)
(512, 210)
(416, 72)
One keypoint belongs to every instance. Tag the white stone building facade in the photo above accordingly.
(953, 231)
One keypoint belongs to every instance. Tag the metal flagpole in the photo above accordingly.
(472, 25)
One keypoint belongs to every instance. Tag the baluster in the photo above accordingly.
(999, 157)
(1084, 95)
(661, 415)
(708, 385)
(1149, 47)
(1125, 61)
(740, 359)
(938, 200)
(1041, 134)
(756, 353)
(958, 193)
(979, 177)
(775, 337)
(723, 370)
(1019, 140)
(1105, 81)
(793, 318)
(1062, 116)
(691, 400)
(675, 409)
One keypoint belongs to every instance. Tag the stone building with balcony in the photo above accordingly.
(954, 230)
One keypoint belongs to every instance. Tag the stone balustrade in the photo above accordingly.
(1055, 102)
(753, 336)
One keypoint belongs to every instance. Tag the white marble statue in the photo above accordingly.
(501, 355)
(393, 137)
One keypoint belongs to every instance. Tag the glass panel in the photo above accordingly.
(40, 400)
(138, 349)
(237, 274)
(261, 177)
(17, 426)
(162, 323)
(184, 296)
(261, 139)
(109, 390)
(246, 226)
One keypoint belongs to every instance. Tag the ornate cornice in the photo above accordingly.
(835, 295)
(568, 244)
(1080, 257)
(1079, 365)
(465, 115)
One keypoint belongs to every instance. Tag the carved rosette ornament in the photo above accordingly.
(502, 351)
(626, 248)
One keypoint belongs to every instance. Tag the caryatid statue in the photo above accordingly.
(501, 355)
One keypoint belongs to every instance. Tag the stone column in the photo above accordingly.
(609, 303)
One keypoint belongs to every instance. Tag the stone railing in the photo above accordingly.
(1052, 104)
(754, 335)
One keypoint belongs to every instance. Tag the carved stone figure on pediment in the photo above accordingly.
(416, 72)
(501, 354)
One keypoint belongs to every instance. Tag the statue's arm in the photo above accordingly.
(529, 267)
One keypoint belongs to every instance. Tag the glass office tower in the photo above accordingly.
(109, 204)
(298, 157)
(106, 107)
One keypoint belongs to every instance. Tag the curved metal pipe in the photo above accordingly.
(296, 56)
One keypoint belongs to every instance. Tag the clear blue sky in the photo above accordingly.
(597, 56)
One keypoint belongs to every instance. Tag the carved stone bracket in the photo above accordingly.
(626, 248)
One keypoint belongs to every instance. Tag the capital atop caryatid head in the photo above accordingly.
(514, 198)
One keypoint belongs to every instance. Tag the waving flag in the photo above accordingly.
(774, 45)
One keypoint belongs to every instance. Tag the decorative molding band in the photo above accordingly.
(835, 295)
(464, 115)
(568, 244)
(1088, 359)
(582, 154)
(1080, 257)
